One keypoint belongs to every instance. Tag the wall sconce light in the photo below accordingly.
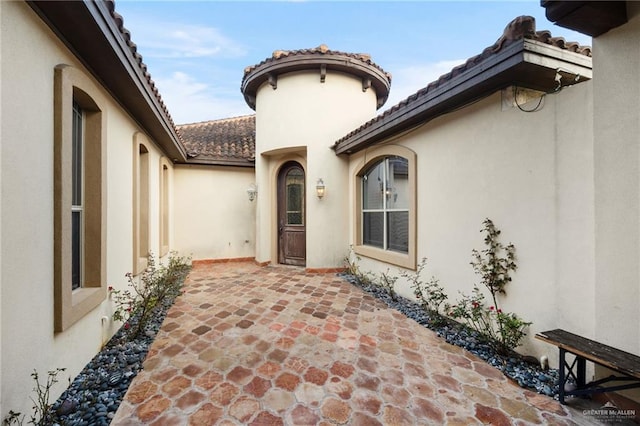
(252, 192)
(320, 188)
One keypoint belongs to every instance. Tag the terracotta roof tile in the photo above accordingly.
(522, 27)
(126, 34)
(229, 140)
(320, 50)
(320, 59)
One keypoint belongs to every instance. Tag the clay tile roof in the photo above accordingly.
(229, 141)
(323, 49)
(522, 27)
(284, 61)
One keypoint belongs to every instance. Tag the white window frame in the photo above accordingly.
(370, 158)
(78, 207)
(385, 201)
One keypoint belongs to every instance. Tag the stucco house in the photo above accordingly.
(536, 133)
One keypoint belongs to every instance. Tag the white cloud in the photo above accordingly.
(159, 39)
(191, 101)
(408, 80)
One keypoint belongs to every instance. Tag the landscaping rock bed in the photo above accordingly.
(524, 373)
(94, 396)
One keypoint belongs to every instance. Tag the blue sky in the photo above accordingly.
(196, 51)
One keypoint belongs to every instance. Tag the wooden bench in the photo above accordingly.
(624, 363)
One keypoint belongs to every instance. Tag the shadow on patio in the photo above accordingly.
(273, 345)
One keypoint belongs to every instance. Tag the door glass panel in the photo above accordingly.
(294, 184)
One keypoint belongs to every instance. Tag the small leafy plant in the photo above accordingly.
(495, 263)
(503, 331)
(351, 262)
(388, 282)
(42, 413)
(135, 306)
(430, 294)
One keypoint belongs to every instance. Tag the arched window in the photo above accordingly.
(165, 170)
(385, 204)
(140, 201)
(79, 196)
(385, 225)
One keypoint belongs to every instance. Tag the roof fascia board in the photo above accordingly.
(552, 57)
(102, 16)
(422, 109)
(477, 82)
(213, 162)
(592, 18)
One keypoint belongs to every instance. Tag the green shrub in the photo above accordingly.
(503, 331)
(42, 413)
(430, 295)
(388, 282)
(351, 263)
(135, 306)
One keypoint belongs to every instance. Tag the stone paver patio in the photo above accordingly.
(273, 345)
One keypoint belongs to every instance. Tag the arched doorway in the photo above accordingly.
(292, 242)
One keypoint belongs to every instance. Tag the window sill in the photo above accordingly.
(81, 302)
(140, 266)
(404, 260)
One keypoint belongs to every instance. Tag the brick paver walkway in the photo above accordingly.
(273, 345)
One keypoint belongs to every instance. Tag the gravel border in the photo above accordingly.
(94, 396)
(524, 372)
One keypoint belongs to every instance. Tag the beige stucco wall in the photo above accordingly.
(617, 184)
(306, 116)
(617, 180)
(213, 216)
(531, 173)
(562, 186)
(30, 52)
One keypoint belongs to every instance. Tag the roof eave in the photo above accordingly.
(588, 17)
(332, 62)
(204, 161)
(90, 32)
(525, 63)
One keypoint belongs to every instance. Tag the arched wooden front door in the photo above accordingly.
(292, 242)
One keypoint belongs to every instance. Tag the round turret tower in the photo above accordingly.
(305, 100)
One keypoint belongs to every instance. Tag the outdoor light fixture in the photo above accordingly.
(252, 192)
(320, 188)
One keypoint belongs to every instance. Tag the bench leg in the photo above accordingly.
(563, 377)
(566, 371)
(581, 377)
